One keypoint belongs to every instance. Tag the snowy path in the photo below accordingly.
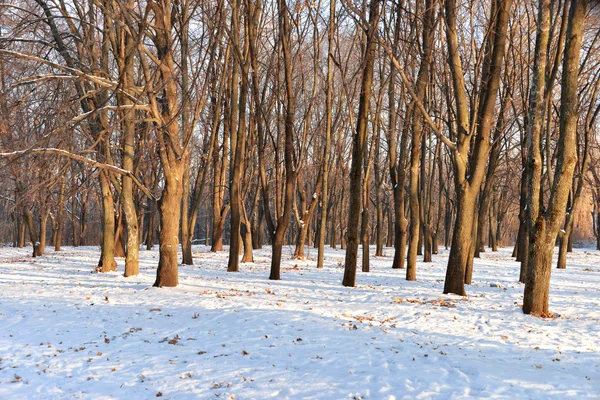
(68, 333)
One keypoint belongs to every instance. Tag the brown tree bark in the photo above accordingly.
(33, 233)
(545, 226)
(305, 214)
(173, 149)
(566, 235)
(366, 199)
(289, 152)
(416, 142)
(328, 130)
(107, 261)
(467, 186)
(397, 163)
(358, 145)
(60, 212)
(238, 149)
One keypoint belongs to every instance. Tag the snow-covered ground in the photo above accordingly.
(68, 333)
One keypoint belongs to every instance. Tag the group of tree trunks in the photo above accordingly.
(275, 121)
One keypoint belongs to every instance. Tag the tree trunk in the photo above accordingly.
(461, 244)
(33, 234)
(364, 228)
(471, 151)
(151, 233)
(379, 215)
(219, 172)
(471, 259)
(60, 212)
(426, 243)
(22, 224)
(43, 231)
(167, 274)
(131, 218)
(414, 245)
(547, 225)
(397, 171)
(415, 217)
(107, 261)
(358, 145)
(400, 227)
(119, 233)
(333, 234)
(389, 237)
(492, 228)
(366, 198)
(246, 234)
(328, 129)
(563, 247)
(173, 149)
(186, 235)
(290, 169)
(305, 214)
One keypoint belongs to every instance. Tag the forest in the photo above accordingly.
(299, 199)
(238, 124)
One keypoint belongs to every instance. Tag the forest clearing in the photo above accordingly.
(68, 333)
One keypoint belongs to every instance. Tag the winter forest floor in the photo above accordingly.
(68, 333)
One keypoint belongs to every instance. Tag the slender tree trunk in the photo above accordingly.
(151, 233)
(328, 129)
(107, 261)
(358, 144)
(397, 171)
(563, 247)
(333, 234)
(378, 199)
(364, 228)
(22, 225)
(131, 218)
(246, 234)
(290, 168)
(119, 233)
(60, 212)
(414, 245)
(219, 173)
(492, 228)
(471, 259)
(366, 198)
(33, 234)
(43, 231)
(186, 235)
(238, 148)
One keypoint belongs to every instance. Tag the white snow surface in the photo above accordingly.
(68, 333)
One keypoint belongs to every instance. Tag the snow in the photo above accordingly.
(68, 333)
